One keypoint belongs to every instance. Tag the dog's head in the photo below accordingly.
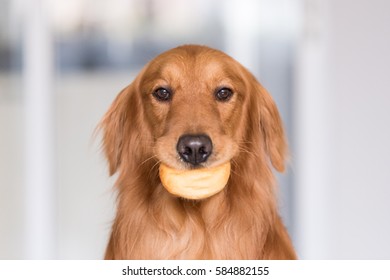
(190, 107)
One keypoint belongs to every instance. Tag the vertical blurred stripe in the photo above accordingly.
(40, 199)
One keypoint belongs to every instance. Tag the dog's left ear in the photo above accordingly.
(272, 130)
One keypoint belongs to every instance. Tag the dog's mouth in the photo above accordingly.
(196, 183)
(200, 175)
(194, 151)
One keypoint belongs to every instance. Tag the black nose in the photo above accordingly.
(194, 149)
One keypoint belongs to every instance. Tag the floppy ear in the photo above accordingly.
(117, 126)
(272, 129)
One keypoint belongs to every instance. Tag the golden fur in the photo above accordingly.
(240, 222)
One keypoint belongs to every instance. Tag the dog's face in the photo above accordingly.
(197, 107)
(194, 103)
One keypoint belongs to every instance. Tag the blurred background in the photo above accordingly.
(326, 63)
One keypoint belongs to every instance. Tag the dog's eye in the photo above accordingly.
(223, 94)
(162, 94)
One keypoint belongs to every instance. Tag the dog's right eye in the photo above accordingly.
(162, 94)
(223, 94)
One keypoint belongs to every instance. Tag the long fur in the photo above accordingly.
(240, 222)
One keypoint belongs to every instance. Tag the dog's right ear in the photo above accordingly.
(116, 126)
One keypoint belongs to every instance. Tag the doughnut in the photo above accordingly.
(195, 183)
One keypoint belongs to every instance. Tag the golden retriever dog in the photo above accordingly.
(195, 107)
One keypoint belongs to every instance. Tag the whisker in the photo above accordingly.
(234, 163)
(244, 150)
(245, 142)
(146, 160)
(155, 165)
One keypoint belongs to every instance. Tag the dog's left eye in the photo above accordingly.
(162, 94)
(223, 94)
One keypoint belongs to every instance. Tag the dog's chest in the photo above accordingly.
(197, 241)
